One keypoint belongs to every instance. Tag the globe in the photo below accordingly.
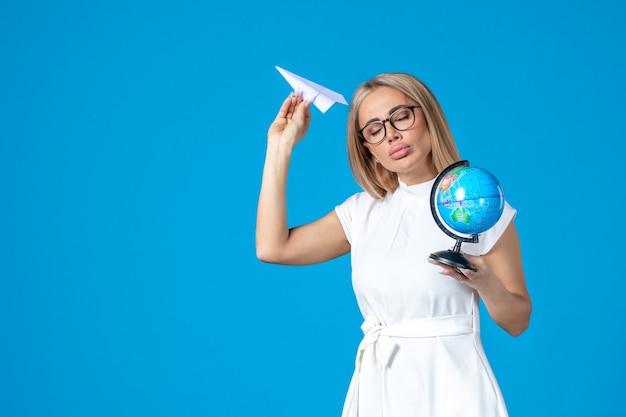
(469, 200)
(465, 202)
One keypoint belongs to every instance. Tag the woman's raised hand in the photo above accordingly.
(292, 121)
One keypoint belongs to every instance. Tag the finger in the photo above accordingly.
(296, 102)
(303, 112)
(450, 271)
(286, 107)
(463, 273)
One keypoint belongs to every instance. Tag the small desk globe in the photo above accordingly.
(465, 201)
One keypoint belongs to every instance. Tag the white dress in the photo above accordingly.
(421, 354)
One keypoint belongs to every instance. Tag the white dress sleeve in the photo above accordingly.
(346, 212)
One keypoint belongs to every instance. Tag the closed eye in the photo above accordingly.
(401, 115)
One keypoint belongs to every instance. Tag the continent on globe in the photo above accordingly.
(460, 215)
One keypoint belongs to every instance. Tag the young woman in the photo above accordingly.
(421, 354)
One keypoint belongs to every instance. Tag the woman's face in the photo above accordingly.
(405, 152)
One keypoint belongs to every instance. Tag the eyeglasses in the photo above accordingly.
(401, 119)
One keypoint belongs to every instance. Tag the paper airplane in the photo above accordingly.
(320, 96)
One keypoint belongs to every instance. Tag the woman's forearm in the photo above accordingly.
(511, 311)
(272, 229)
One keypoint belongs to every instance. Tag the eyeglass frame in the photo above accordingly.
(388, 119)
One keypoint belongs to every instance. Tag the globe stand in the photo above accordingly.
(452, 257)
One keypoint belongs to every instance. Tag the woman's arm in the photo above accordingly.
(275, 242)
(500, 282)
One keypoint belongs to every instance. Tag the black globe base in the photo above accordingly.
(452, 258)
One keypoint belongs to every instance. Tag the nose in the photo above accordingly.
(391, 132)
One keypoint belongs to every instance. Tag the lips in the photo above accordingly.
(399, 151)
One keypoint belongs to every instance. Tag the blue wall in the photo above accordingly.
(132, 138)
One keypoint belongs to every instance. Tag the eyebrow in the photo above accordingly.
(376, 119)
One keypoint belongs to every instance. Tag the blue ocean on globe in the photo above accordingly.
(469, 200)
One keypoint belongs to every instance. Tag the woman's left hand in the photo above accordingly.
(474, 279)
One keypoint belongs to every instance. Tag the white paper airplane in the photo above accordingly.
(320, 96)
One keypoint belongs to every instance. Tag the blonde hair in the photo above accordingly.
(372, 177)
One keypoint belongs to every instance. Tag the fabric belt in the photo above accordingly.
(380, 338)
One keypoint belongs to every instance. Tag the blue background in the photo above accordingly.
(132, 139)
